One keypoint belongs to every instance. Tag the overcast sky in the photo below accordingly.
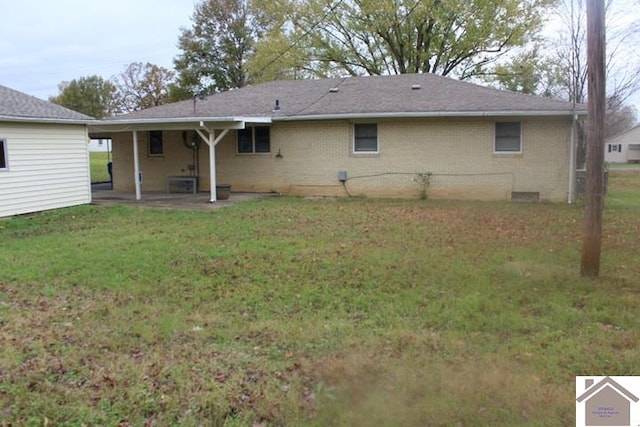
(43, 43)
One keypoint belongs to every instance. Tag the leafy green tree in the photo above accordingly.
(460, 38)
(527, 72)
(91, 95)
(142, 86)
(285, 50)
(216, 49)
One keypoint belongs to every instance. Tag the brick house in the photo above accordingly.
(381, 136)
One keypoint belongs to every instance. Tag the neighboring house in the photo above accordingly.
(383, 136)
(624, 147)
(44, 162)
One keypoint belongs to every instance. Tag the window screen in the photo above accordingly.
(508, 137)
(365, 138)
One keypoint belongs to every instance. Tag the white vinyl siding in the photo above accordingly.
(49, 168)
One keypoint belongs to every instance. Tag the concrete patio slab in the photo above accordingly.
(198, 201)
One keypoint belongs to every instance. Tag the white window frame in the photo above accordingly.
(353, 142)
(5, 154)
(253, 151)
(495, 139)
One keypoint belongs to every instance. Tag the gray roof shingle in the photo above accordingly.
(357, 96)
(18, 105)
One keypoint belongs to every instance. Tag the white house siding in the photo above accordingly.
(623, 148)
(48, 167)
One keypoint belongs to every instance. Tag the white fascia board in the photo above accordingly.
(43, 120)
(409, 115)
(174, 123)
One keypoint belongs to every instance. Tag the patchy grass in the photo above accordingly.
(98, 165)
(625, 191)
(294, 312)
(624, 166)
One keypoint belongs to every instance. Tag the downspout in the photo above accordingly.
(572, 159)
(88, 141)
(136, 166)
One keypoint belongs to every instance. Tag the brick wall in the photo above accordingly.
(459, 153)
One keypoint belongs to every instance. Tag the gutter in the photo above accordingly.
(356, 116)
(130, 124)
(572, 160)
(144, 121)
(45, 120)
(115, 125)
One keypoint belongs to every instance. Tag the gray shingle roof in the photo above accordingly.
(18, 105)
(358, 96)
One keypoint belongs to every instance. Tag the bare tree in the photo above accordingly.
(622, 64)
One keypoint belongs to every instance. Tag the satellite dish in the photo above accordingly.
(193, 142)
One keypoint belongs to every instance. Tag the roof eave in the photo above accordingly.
(45, 120)
(174, 123)
(432, 114)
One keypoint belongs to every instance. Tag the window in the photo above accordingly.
(254, 139)
(3, 155)
(155, 143)
(365, 138)
(508, 138)
(609, 148)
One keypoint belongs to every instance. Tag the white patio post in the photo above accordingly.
(212, 141)
(212, 165)
(136, 166)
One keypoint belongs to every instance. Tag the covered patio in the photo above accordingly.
(206, 132)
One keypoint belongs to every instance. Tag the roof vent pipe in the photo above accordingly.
(277, 106)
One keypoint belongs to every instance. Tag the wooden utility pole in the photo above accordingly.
(595, 139)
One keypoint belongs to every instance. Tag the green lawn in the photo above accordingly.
(293, 312)
(98, 165)
(624, 166)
